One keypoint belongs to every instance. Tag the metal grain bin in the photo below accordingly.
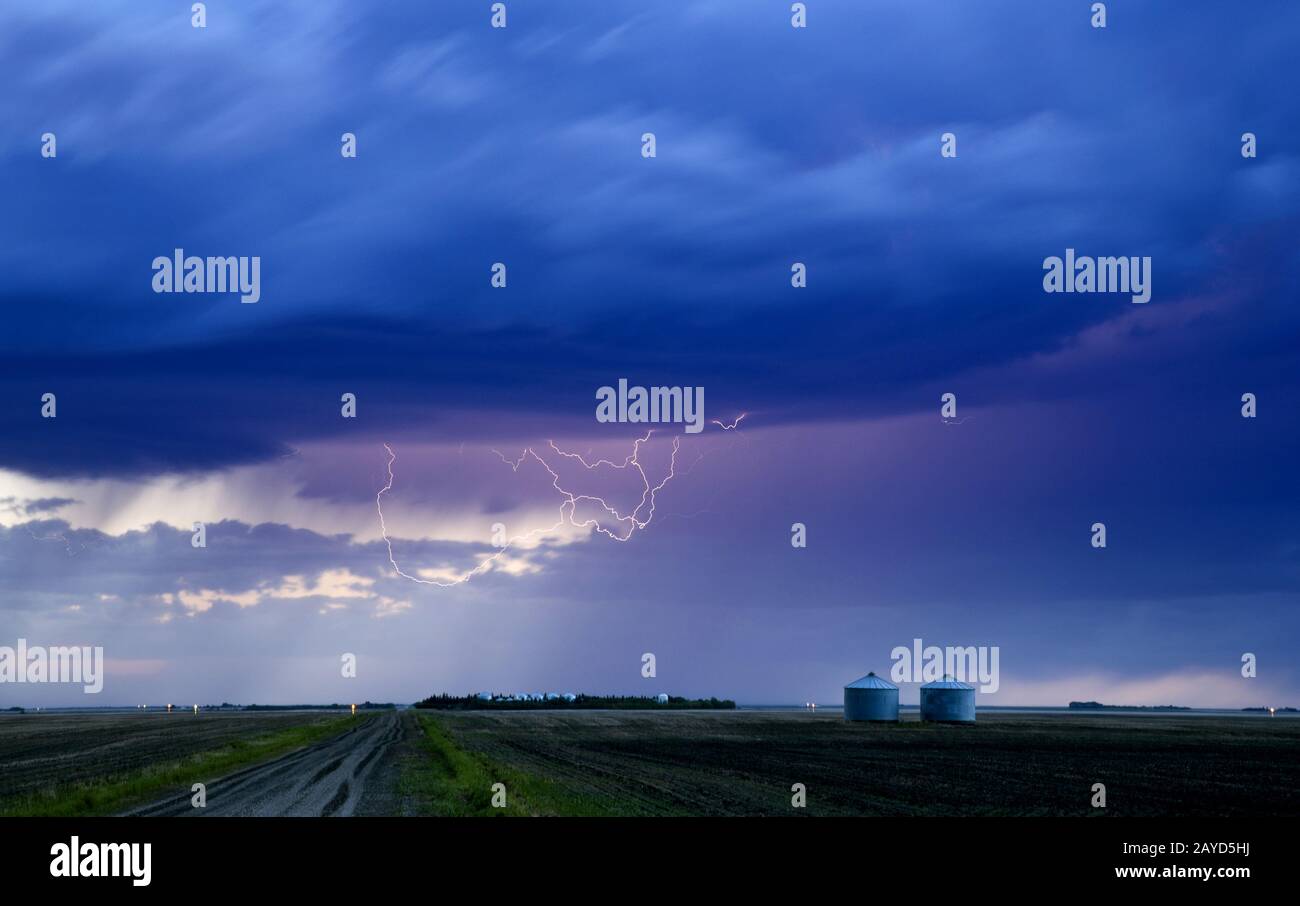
(871, 698)
(948, 700)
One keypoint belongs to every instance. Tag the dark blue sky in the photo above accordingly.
(775, 145)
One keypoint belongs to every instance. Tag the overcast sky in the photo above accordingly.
(774, 145)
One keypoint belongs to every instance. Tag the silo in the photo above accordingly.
(871, 698)
(948, 700)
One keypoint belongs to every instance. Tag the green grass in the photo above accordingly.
(448, 781)
(113, 793)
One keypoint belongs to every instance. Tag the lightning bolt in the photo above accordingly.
(58, 536)
(734, 425)
(620, 528)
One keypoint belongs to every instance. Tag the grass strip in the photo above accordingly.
(449, 781)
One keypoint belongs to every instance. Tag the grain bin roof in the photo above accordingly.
(871, 681)
(947, 683)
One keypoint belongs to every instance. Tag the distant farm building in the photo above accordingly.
(948, 700)
(662, 698)
(871, 698)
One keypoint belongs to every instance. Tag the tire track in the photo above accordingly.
(327, 778)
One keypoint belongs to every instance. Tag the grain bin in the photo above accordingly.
(948, 700)
(871, 698)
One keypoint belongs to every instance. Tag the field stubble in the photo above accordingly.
(744, 763)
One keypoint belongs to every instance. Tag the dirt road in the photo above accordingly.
(340, 776)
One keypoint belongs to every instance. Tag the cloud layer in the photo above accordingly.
(522, 146)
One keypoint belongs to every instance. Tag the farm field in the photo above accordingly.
(82, 764)
(744, 763)
(647, 763)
